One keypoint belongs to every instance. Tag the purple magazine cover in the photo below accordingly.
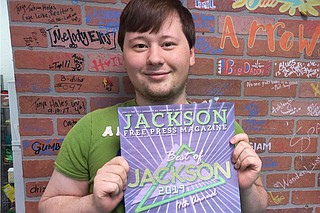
(180, 158)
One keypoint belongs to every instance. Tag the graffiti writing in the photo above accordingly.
(70, 82)
(38, 147)
(219, 88)
(268, 163)
(261, 146)
(37, 12)
(286, 41)
(305, 142)
(313, 110)
(32, 40)
(316, 89)
(253, 125)
(203, 45)
(108, 20)
(76, 38)
(286, 108)
(102, 64)
(42, 146)
(206, 4)
(284, 183)
(35, 88)
(277, 199)
(37, 189)
(244, 67)
(298, 69)
(291, 5)
(75, 63)
(203, 22)
(59, 106)
(107, 84)
(275, 84)
(69, 123)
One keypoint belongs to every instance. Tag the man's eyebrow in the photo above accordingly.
(137, 38)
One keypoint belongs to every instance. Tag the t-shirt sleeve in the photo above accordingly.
(72, 159)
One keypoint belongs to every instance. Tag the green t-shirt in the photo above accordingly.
(92, 142)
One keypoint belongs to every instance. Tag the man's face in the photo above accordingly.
(158, 63)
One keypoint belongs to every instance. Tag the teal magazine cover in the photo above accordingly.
(180, 158)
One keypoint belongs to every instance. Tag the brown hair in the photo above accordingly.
(144, 15)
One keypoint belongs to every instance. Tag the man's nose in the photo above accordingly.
(155, 56)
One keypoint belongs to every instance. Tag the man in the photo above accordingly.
(157, 39)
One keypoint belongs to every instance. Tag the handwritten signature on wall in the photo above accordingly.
(303, 6)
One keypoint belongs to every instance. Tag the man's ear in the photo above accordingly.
(192, 57)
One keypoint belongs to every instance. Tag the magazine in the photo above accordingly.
(179, 157)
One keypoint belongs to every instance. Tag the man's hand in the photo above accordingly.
(246, 161)
(109, 184)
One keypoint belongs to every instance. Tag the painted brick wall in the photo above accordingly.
(263, 55)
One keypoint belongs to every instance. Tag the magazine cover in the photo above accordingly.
(180, 158)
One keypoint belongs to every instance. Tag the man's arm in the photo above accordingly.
(64, 194)
(253, 195)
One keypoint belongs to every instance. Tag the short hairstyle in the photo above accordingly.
(145, 15)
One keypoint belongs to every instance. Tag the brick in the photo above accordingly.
(290, 52)
(35, 188)
(299, 179)
(22, 11)
(290, 210)
(36, 126)
(270, 88)
(41, 147)
(308, 163)
(225, 6)
(85, 83)
(242, 24)
(250, 108)
(37, 168)
(278, 198)
(268, 127)
(318, 210)
(42, 60)
(293, 145)
(297, 69)
(28, 36)
(309, 90)
(203, 66)
(276, 163)
(292, 107)
(103, 62)
(211, 45)
(65, 124)
(244, 67)
(31, 206)
(52, 105)
(102, 102)
(35, 83)
(303, 197)
(81, 38)
(203, 22)
(107, 19)
(214, 87)
(309, 28)
(310, 127)
(128, 86)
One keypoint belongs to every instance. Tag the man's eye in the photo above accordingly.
(139, 46)
(168, 44)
